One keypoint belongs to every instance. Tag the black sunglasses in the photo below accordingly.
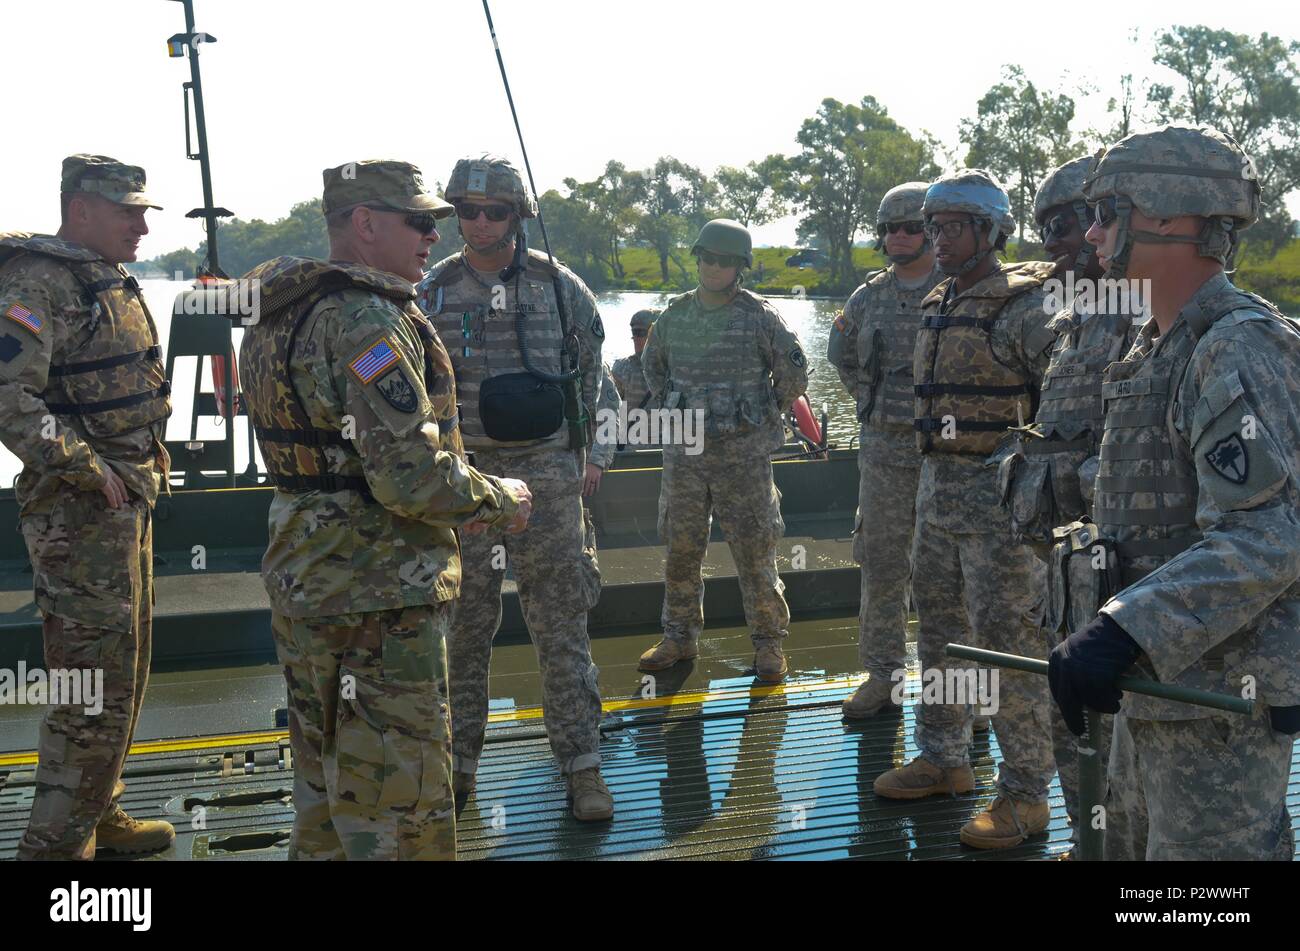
(638, 334)
(907, 227)
(1105, 211)
(423, 222)
(469, 211)
(720, 260)
(1058, 226)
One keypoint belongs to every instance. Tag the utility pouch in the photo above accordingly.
(518, 407)
(1083, 575)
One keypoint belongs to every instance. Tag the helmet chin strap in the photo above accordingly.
(1215, 240)
(906, 259)
(1087, 253)
(510, 235)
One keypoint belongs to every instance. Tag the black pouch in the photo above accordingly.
(517, 407)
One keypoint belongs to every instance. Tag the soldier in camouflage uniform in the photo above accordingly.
(871, 347)
(725, 354)
(90, 437)
(980, 356)
(1046, 479)
(352, 397)
(515, 321)
(628, 373)
(1197, 501)
(605, 439)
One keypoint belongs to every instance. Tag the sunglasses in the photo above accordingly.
(1105, 211)
(639, 334)
(949, 229)
(468, 211)
(1058, 226)
(720, 260)
(907, 227)
(423, 222)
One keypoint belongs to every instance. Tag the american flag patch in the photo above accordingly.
(25, 317)
(374, 361)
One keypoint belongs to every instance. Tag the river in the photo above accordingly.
(810, 319)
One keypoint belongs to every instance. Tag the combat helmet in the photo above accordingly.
(490, 177)
(1176, 171)
(1064, 186)
(901, 203)
(974, 192)
(724, 236)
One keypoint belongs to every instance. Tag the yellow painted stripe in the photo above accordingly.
(522, 714)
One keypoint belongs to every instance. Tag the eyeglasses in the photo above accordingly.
(907, 227)
(423, 222)
(1058, 226)
(640, 334)
(468, 211)
(1105, 211)
(949, 229)
(720, 260)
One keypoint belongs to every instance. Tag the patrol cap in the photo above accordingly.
(396, 186)
(642, 319)
(114, 180)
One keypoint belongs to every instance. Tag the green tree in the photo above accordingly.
(575, 235)
(751, 194)
(850, 155)
(677, 199)
(1020, 133)
(1249, 88)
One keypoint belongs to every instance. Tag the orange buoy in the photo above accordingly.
(219, 381)
(807, 423)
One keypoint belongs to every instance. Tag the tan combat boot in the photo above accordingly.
(667, 652)
(874, 695)
(769, 661)
(921, 778)
(1005, 823)
(590, 796)
(117, 832)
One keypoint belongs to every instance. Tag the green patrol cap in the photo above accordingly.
(642, 319)
(395, 186)
(114, 180)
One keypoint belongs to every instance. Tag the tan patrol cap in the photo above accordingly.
(116, 181)
(397, 186)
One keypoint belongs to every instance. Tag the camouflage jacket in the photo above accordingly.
(51, 319)
(630, 378)
(335, 553)
(1223, 614)
(605, 442)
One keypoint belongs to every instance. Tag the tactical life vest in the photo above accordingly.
(719, 369)
(886, 349)
(115, 382)
(485, 343)
(965, 398)
(293, 448)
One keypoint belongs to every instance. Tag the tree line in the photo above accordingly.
(850, 154)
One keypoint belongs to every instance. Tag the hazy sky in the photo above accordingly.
(293, 87)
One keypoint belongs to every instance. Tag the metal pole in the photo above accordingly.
(1092, 771)
(201, 128)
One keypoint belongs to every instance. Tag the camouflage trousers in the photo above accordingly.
(983, 591)
(882, 545)
(1065, 749)
(559, 582)
(732, 477)
(370, 730)
(93, 572)
(1212, 789)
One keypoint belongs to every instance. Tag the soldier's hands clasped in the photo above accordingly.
(521, 491)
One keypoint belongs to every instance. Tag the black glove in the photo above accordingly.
(1285, 719)
(1083, 668)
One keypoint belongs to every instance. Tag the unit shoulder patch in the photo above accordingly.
(1230, 459)
(397, 390)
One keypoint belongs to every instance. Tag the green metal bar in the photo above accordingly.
(1151, 688)
(1091, 769)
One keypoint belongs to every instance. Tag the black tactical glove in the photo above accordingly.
(1082, 670)
(1285, 719)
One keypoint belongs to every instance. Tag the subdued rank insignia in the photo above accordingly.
(10, 347)
(1229, 459)
(797, 358)
(397, 390)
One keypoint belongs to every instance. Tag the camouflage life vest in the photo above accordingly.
(115, 382)
(484, 341)
(958, 377)
(293, 449)
(886, 349)
(719, 369)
